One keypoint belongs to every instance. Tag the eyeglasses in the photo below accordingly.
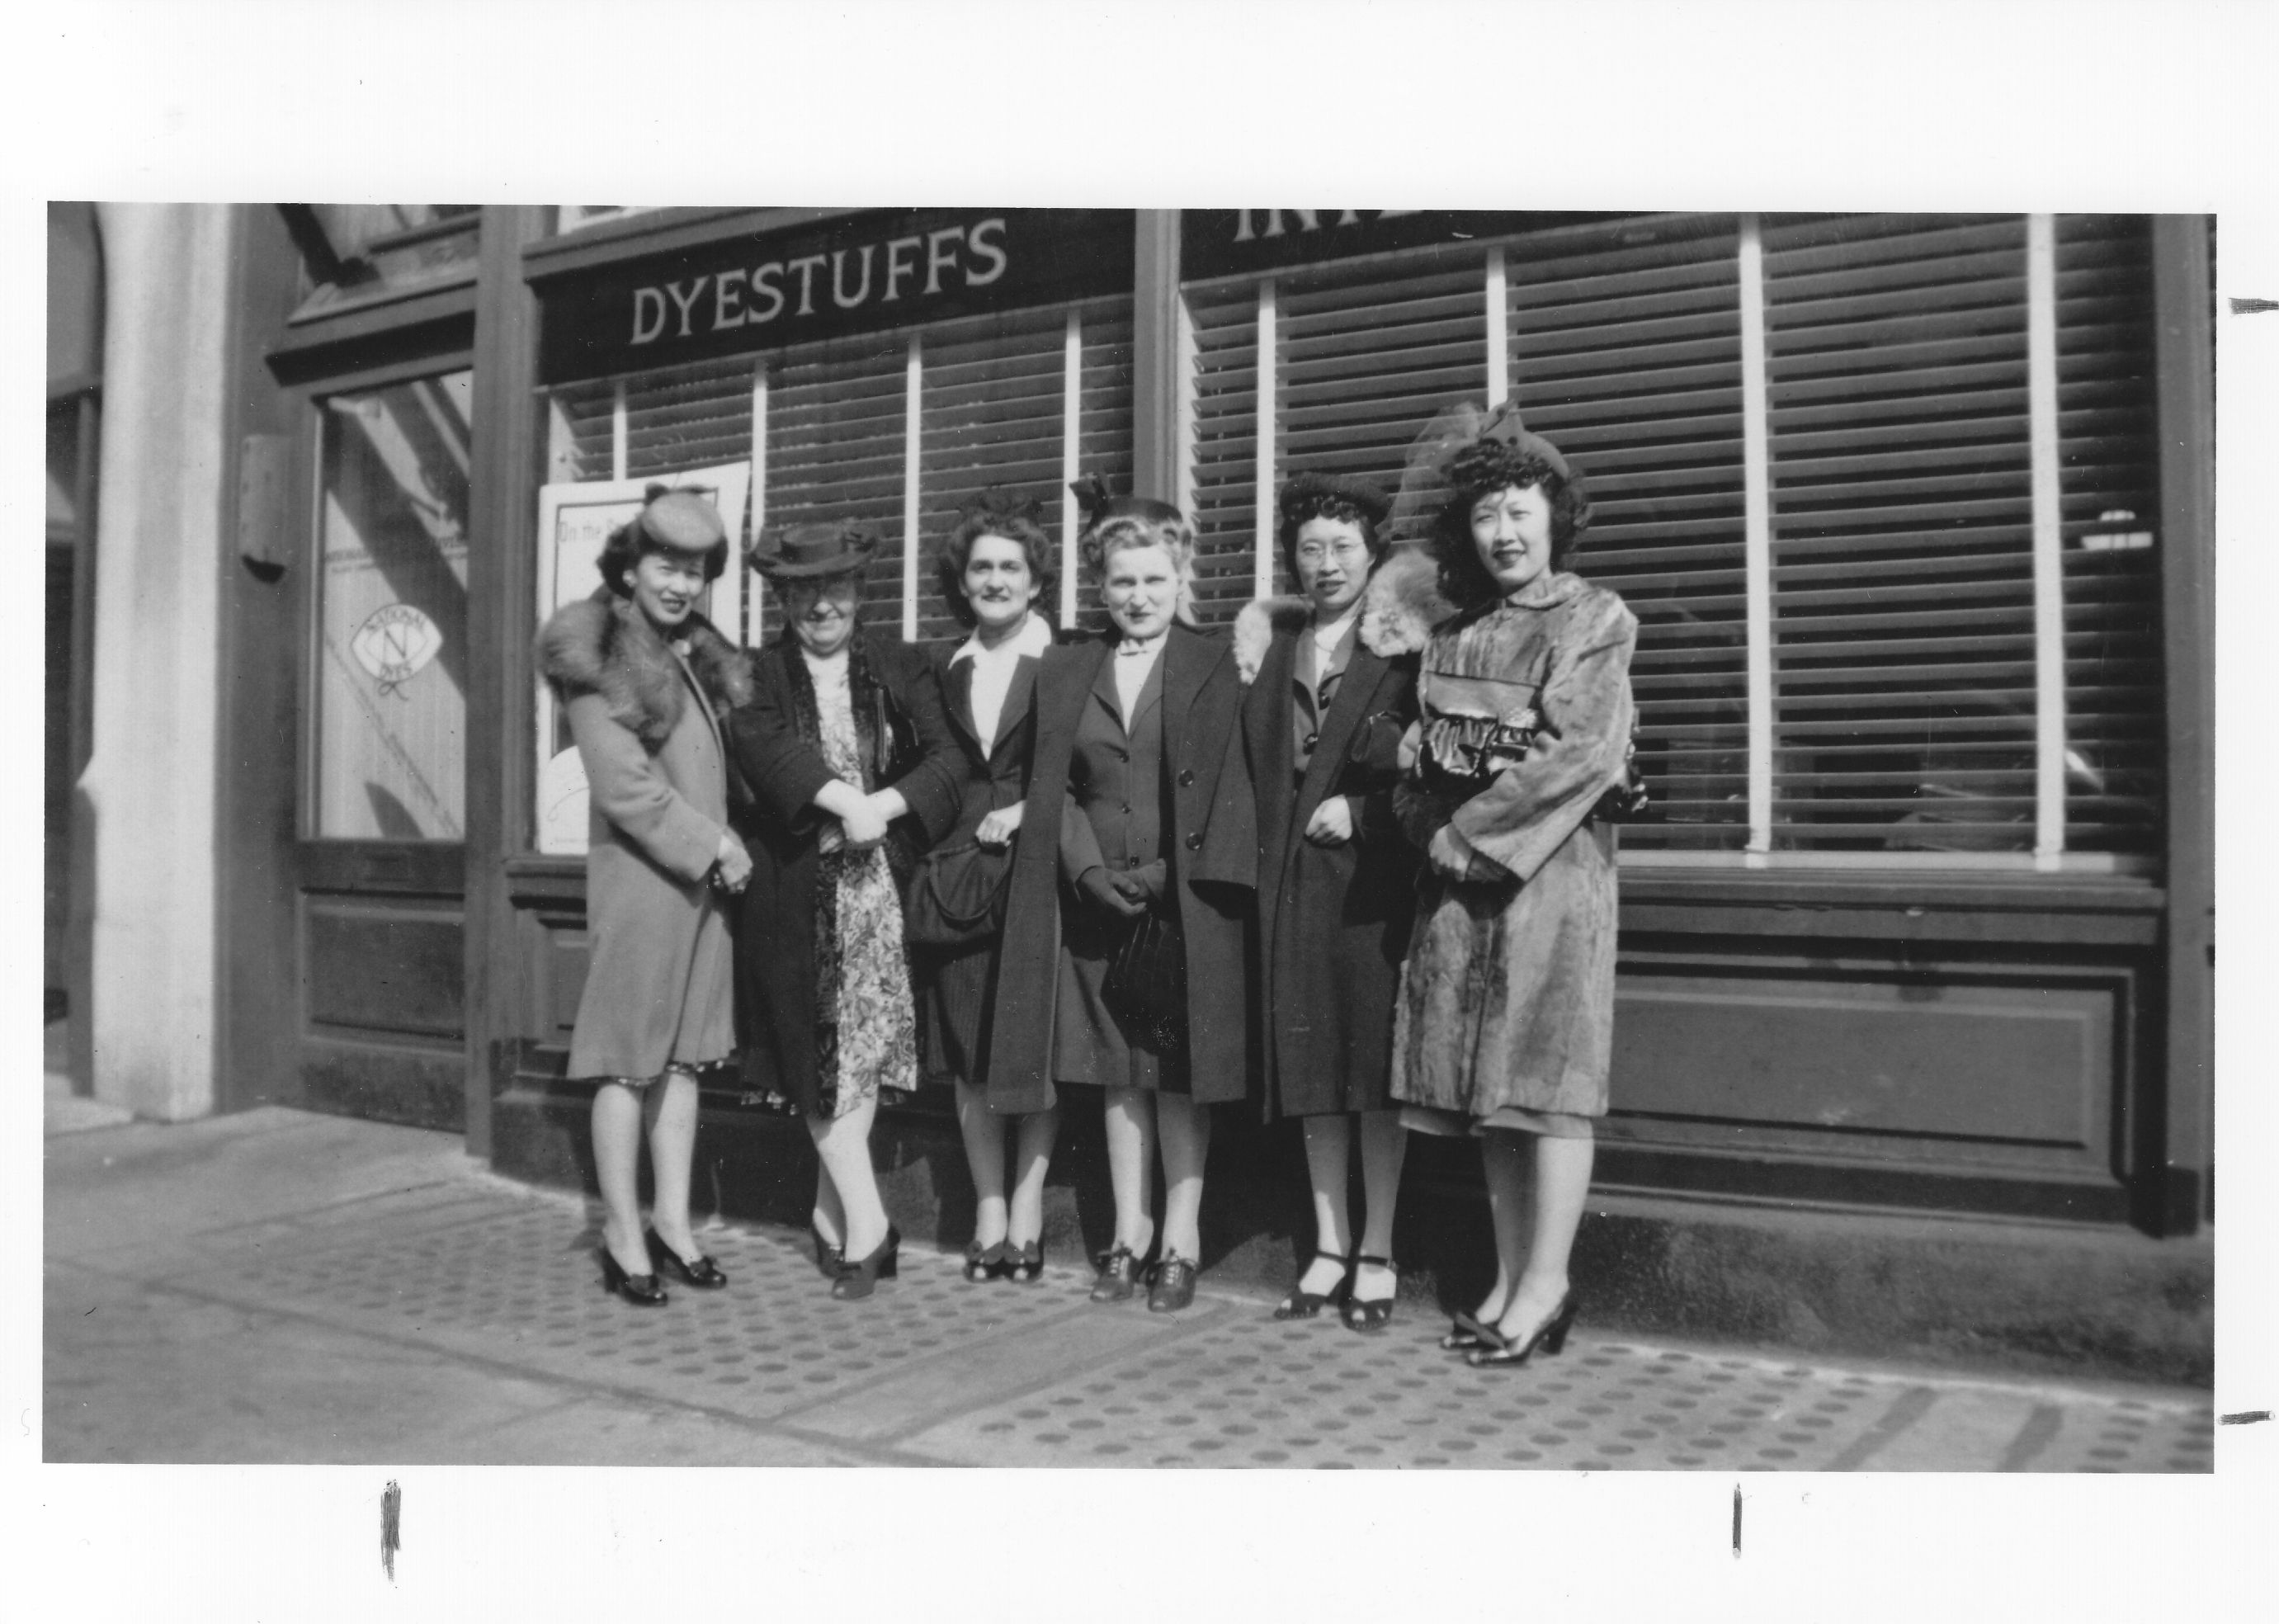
(1344, 553)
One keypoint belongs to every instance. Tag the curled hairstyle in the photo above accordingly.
(1484, 468)
(631, 542)
(1124, 531)
(1305, 505)
(958, 551)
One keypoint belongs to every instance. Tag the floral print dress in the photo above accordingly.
(866, 1026)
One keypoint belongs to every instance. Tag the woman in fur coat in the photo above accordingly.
(1323, 717)
(1506, 1002)
(645, 682)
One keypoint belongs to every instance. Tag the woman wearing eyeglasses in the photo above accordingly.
(1323, 716)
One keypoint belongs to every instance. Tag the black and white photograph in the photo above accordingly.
(990, 821)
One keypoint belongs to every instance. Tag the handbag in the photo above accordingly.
(1147, 980)
(956, 895)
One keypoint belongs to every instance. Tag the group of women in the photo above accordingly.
(1351, 865)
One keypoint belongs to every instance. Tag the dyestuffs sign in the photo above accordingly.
(847, 275)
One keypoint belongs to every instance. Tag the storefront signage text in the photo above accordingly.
(1234, 241)
(851, 274)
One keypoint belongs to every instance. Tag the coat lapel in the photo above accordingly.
(957, 697)
(1356, 692)
(1187, 663)
(1018, 697)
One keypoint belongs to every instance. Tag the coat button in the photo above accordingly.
(1312, 739)
(1186, 777)
(1195, 840)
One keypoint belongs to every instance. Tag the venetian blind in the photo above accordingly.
(992, 398)
(1902, 571)
(1625, 347)
(993, 413)
(2115, 738)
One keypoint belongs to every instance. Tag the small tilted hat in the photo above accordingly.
(1312, 489)
(811, 552)
(681, 520)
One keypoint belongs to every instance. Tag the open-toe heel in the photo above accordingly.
(1025, 1265)
(1550, 1337)
(1303, 1304)
(984, 1262)
(1369, 1314)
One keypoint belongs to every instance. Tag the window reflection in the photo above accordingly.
(392, 613)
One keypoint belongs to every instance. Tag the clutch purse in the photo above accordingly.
(956, 895)
(1147, 980)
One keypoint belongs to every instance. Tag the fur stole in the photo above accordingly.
(605, 645)
(1399, 609)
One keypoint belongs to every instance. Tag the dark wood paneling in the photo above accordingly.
(2183, 297)
(436, 869)
(567, 954)
(258, 1013)
(502, 503)
(384, 1082)
(384, 966)
(1952, 1071)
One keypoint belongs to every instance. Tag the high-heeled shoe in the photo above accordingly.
(1025, 1265)
(1369, 1314)
(827, 1257)
(1465, 1332)
(642, 1290)
(984, 1262)
(1550, 1337)
(704, 1274)
(860, 1278)
(1303, 1304)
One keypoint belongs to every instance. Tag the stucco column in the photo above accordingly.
(152, 777)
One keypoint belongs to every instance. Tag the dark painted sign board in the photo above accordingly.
(858, 274)
(1248, 242)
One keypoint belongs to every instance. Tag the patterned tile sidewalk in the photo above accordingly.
(284, 1335)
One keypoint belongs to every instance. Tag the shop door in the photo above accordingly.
(380, 860)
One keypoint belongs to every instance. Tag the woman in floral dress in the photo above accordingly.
(853, 772)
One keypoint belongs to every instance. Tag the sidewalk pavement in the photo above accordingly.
(282, 1287)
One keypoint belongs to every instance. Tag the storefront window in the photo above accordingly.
(391, 671)
(1877, 488)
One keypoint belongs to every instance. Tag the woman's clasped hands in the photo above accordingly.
(1124, 895)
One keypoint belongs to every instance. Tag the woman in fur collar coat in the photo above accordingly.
(1323, 712)
(645, 682)
(1506, 1002)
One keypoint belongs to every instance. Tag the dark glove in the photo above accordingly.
(1110, 893)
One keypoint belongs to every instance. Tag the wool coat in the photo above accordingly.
(1508, 997)
(955, 985)
(1208, 829)
(1332, 922)
(906, 746)
(659, 976)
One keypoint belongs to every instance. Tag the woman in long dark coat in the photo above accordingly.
(1323, 717)
(1139, 763)
(995, 568)
(1506, 1003)
(851, 769)
(645, 680)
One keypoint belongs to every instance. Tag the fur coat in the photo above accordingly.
(1506, 999)
(660, 988)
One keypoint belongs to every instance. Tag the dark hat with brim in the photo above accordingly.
(1311, 490)
(681, 519)
(814, 551)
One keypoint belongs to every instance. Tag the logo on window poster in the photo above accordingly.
(395, 645)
